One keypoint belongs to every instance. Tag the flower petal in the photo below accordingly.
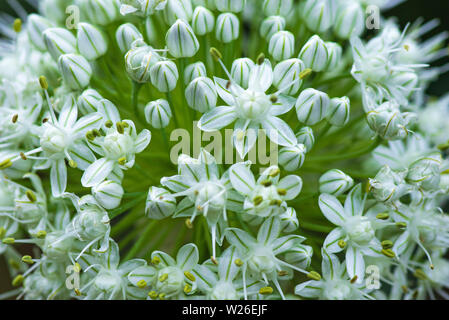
(187, 257)
(58, 177)
(240, 239)
(283, 105)
(97, 172)
(279, 131)
(242, 179)
(355, 264)
(81, 154)
(292, 184)
(261, 77)
(354, 202)
(331, 241)
(269, 231)
(142, 141)
(86, 123)
(332, 209)
(69, 113)
(223, 92)
(217, 118)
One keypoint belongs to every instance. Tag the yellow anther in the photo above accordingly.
(152, 294)
(14, 118)
(18, 280)
(240, 135)
(257, 200)
(141, 284)
(120, 127)
(275, 202)
(109, 124)
(354, 279)
(187, 288)
(404, 289)
(238, 262)
(432, 266)
(274, 172)
(189, 223)
(163, 277)
(23, 156)
(43, 82)
(282, 192)
(266, 290)
(266, 183)
(341, 243)
(122, 161)
(314, 275)
(282, 273)
(406, 47)
(383, 216)
(8, 240)
(96, 132)
(420, 274)
(17, 25)
(27, 259)
(214, 260)
(260, 59)
(401, 225)
(388, 253)
(387, 244)
(162, 296)
(215, 54)
(189, 276)
(77, 292)
(73, 164)
(41, 234)
(156, 260)
(2, 232)
(31, 196)
(77, 267)
(273, 98)
(5, 164)
(305, 73)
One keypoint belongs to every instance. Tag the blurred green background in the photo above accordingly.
(406, 12)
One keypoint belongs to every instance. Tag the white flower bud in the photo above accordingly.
(406, 82)
(178, 9)
(102, 12)
(350, 20)
(387, 185)
(164, 75)
(59, 41)
(193, 71)
(311, 106)
(335, 182)
(314, 54)
(282, 45)
(292, 158)
(425, 172)
(289, 220)
(334, 51)
(227, 28)
(306, 137)
(318, 14)
(158, 113)
(125, 35)
(160, 203)
(230, 5)
(271, 25)
(181, 41)
(277, 7)
(138, 62)
(36, 25)
(203, 21)
(92, 44)
(89, 101)
(338, 111)
(287, 72)
(240, 71)
(76, 71)
(389, 122)
(201, 94)
(108, 194)
(142, 7)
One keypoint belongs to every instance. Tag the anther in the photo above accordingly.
(388, 253)
(23, 156)
(5, 164)
(305, 73)
(43, 82)
(387, 244)
(122, 161)
(8, 241)
(73, 164)
(257, 200)
(266, 290)
(401, 225)
(215, 54)
(189, 223)
(152, 294)
(214, 260)
(282, 273)
(314, 275)
(14, 118)
(282, 192)
(383, 216)
(187, 288)
(17, 25)
(341, 243)
(273, 98)
(238, 262)
(189, 276)
(27, 259)
(41, 234)
(260, 59)
(156, 260)
(420, 274)
(354, 279)
(31, 196)
(108, 124)
(18, 280)
(163, 277)
(141, 284)
(120, 127)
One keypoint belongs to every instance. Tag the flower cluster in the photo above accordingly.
(352, 208)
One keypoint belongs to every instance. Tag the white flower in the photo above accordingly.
(335, 182)
(181, 40)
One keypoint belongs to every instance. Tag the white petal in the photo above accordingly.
(177, 183)
(142, 141)
(205, 278)
(69, 113)
(145, 273)
(58, 177)
(332, 209)
(240, 239)
(81, 154)
(187, 257)
(227, 269)
(97, 172)
(330, 265)
(242, 178)
(331, 241)
(292, 184)
(354, 202)
(355, 265)
(217, 118)
(283, 105)
(269, 231)
(223, 92)
(279, 131)
(86, 123)
(166, 260)
(109, 111)
(286, 243)
(261, 77)
(244, 144)
(309, 289)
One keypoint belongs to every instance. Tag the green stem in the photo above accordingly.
(116, 212)
(135, 99)
(143, 239)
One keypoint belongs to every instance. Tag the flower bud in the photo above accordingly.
(108, 194)
(350, 20)
(88, 101)
(201, 94)
(36, 26)
(125, 35)
(160, 203)
(292, 158)
(271, 25)
(75, 70)
(142, 7)
(230, 5)
(178, 9)
(287, 72)
(227, 28)
(181, 41)
(158, 113)
(277, 7)
(203, 21)
(334, 55)
(314, 54)
(164, 75)
(240, 71)
(388, 121)
(311, 106)
(406, 82)
(101, 12)
(92, 44)
(306, 137)
(318, 14)
(425, 172)
(282, 45)
(335, 182)
(338, 111)
(193, 71)
(387, 185)
(138, 62)
(59, 41)
(289, 220)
